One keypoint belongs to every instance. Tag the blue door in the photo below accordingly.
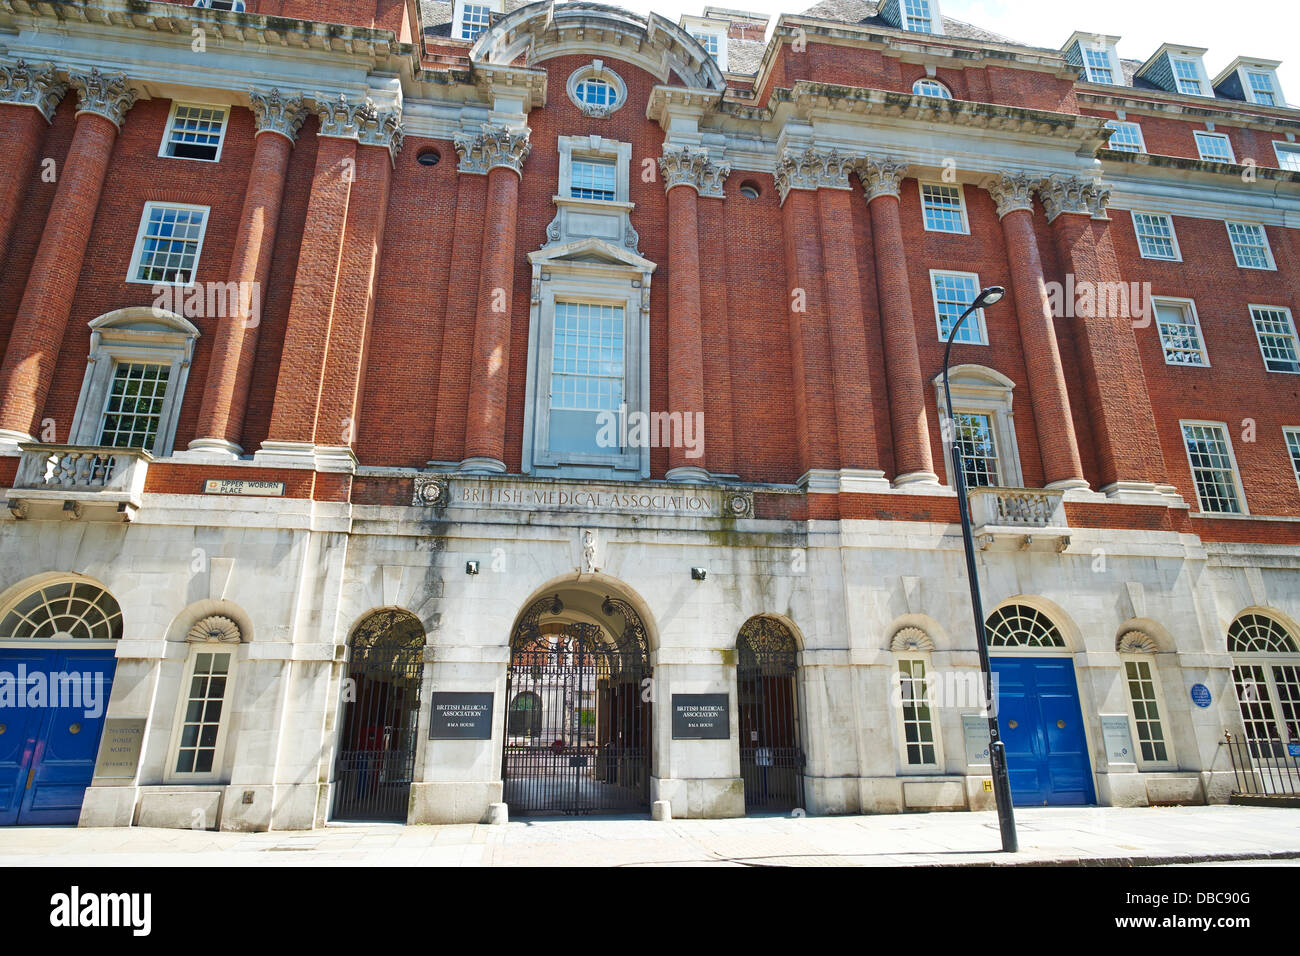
(1042, 727)
(52, 708)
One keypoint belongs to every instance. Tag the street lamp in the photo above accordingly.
(997, 749)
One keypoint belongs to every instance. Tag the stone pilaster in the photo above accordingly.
(1012, 191)
(37, 86)
(812, 168)
(28, 97)
(688, 166)
(276, 113)
(494, 147)
(1063, 194)
(880, 177)
(364, 122)
(103, 94)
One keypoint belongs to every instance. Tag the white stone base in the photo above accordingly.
(710, 798)
(455, 802)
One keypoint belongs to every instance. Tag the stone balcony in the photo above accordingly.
(1023, 519)
(93, 483)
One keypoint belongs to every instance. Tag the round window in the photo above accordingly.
(428, 157)
(595, 92)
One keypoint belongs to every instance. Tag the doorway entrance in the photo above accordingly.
(577, 737)
(771, 756)
(381, 712)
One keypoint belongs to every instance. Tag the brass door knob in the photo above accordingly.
(1013, 724)
(1060, 724)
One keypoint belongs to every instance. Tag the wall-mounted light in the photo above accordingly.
(699, 574)
(471, 567)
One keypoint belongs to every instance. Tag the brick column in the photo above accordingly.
(499, 153)
(28, 367)
(913, 459)
(1129, 458)
(298, 432)
(28, 98)
(1053, 421)
(687, 174)
(230, 369)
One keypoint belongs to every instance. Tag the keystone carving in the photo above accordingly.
(278, 114)
(494, 146)
(214, 629)
(880, 177)
(1012, 191)
(1136, 642)
(1070, 194)
(812, 168)
(104, 94)
(684, 166)
(364, 122)
(25, 85)
(911, 639)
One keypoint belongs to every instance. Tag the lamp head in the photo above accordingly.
(990, 296)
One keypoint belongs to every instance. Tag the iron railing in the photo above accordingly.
(1264, 767)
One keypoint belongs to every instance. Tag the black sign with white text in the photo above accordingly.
(701, 717)
(458, 715)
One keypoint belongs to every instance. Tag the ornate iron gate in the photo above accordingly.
(771, 758)
(376, 758)
(578, 727)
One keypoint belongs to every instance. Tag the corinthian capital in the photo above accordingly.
(366, 123)
(812, 168)
(104, 94)
(1012, 191)
(37, 86)
(277, 114)
(684, 166)
(494, 146)
(1070, 194)
(880, 177)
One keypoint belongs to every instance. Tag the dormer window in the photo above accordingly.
(1261, 88)
(917, 16)
(1178, 69)
(711, 32)
(1097, 66)
(472, 17)
(710, 42)
(1187, 76)
(1252, 80)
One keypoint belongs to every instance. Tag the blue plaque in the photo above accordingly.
(1201, 695)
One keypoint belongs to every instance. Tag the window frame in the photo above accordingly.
(1189, 308)
(1290, 433)
(1114, 124)
(1173, 235)
(1162, 712)
(1199, 134)
(1252, 93)
(1263, 233)
(137, 253)
(1232, 459)
(171, 120)
(921, 187)
(1291, 149)
(921, 81)
(931, 16)
(171, 774)
(458, 18)
(978, 316)
(236, 6)
(1295, 338)
(1088, 68)
(1201, 80)
(924, 658)
(980, 390)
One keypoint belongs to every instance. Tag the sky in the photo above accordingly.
(1264, 28)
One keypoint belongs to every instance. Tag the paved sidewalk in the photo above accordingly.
(1097, 836)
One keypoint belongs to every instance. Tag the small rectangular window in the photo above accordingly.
(1125, 137)
(918, 721)
(1288, 156)
(168, 244)
(592, 179)
(953, 294)
(1180, 333)
(135, 404)
(235, 6)
(1155, 236)
(943, 208)
(1262, 91)
(201, 721)
(1187, 76)
(194, 132)
(917, 16)
(709, 41)
(1146, 711)
(1250, 245)
(1214, 147)
(588, 371)
(1293, 449)
(1277, 338)
(979, 450)
(1209, 451)
(1097, 65)
(474, 19)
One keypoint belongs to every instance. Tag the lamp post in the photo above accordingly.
(997, 749)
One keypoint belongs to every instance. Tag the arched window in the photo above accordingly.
(983, 424)
(920, 743)
(1019, 625)
(926, 86)
(203, 710)
(597, 90)
(64, 610)
(1266, 672)
(1137, 652)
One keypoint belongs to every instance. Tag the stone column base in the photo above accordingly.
(466, 801)
(709, 798)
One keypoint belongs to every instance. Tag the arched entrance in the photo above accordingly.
(1266, 673)
(578, 719)
(381, 712)
(57, 647)
(771, 755)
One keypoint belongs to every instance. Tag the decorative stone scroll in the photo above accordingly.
(1012, 191)
(25, 85)
(911, 640)
(215, 629)
(1070, 194)
(812, 168)
(104, 94)
(880, 177)
(494, 146)
(687, 166)
(277, 114)
(365, 122)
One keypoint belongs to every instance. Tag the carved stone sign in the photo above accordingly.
(585, 498)
(242, 486)
(119, 748)
(701, 717)
(457, 715)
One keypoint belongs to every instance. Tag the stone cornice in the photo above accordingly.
(24, 85)
(1234, 171)
(277, 114)
(492, 147)
(880, 176)
(812, 168)
(490, 78)
(1012, 191)
(363, 121)
(1157, 102)
(104, 94)
(686, 166)
(1063, 194)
